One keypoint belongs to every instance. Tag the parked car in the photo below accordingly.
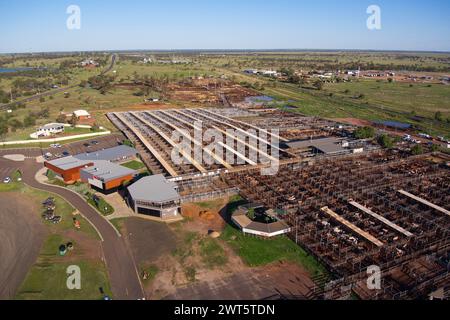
(66, 153)
(87, 145)
(94, 142)
(7, 180)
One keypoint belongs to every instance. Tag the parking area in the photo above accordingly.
(7, 168)
(85, 146)
(27, 152)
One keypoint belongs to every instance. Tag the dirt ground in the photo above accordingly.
(174, 249)
(209, 91)
(21, 237)
(204, 219)
(284, 279)
(149, 240)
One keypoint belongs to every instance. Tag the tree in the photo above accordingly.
(417, 150)
(15, 124)
(73, 121)
(30, 120)
(385, 141)
(251, 213)
(364, 133)
(3, 129)
(61, 118)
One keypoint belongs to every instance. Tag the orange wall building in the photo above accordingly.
(68, 169)
(98, 168)
(107, 176)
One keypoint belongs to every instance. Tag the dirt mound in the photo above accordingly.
(206, 215)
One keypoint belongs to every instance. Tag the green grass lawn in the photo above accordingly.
(134, 165)
(47, 279)
(259, 252)
(102, 206)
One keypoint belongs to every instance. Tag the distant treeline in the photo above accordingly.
(417, 63)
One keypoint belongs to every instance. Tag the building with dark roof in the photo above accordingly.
(329, 146)
(155, 196)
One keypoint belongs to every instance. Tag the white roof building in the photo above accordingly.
(48, 129)
(81, 113)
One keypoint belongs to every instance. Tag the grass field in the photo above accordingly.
(47, 278)
(258, 252)
(213, 255)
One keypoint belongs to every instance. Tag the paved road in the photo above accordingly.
(123, 275)
(55, 91)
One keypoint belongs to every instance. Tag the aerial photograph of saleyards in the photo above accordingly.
(224, 150)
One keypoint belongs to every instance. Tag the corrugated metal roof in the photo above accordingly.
(154, 189)
(79, 160)
(107, 171)
(325, 145)
(110, 154)
(68, 163)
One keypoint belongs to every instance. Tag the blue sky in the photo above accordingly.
(35, 26)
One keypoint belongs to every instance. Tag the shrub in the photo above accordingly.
(364, 133)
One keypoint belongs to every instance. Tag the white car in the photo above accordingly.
(7, 180)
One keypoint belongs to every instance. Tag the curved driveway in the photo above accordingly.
(123, 274)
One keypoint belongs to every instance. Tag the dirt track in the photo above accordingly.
(21, 237)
